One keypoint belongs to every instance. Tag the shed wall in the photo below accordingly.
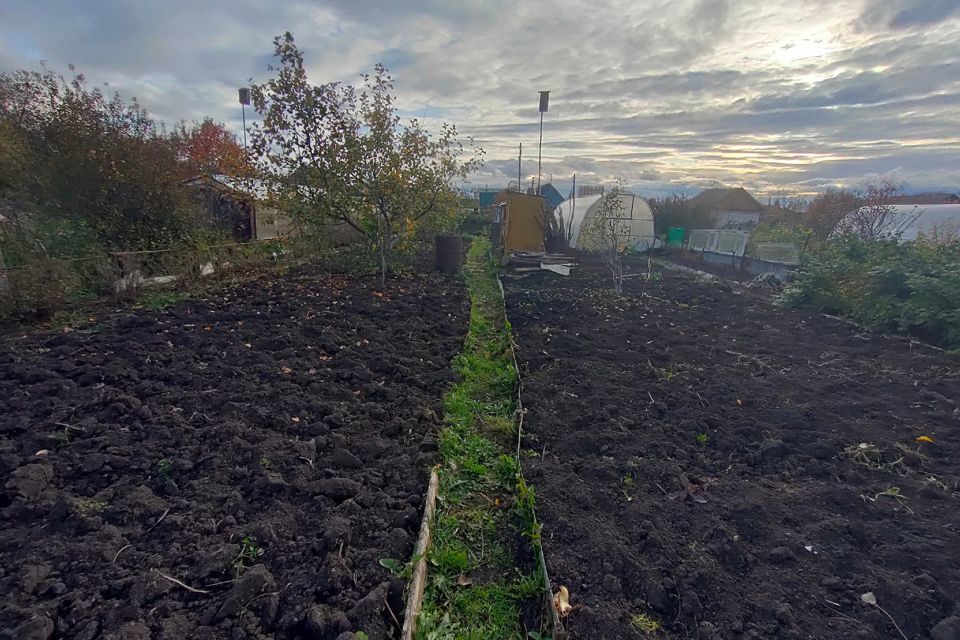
(524, 225)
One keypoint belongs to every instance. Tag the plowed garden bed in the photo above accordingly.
(717, 467)
(229, 467)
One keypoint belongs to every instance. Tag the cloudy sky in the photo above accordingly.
(774, 95)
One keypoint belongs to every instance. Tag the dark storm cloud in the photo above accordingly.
(904, 14)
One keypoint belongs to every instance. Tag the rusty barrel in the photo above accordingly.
(449, 253)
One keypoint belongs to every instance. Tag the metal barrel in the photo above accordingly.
(449, 253)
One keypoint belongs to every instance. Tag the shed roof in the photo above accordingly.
(240, 186)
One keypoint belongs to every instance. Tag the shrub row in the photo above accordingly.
(911, 288)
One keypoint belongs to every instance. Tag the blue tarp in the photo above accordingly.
(552, 196)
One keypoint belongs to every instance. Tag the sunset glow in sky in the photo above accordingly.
(773, 94)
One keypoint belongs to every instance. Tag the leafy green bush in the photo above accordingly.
(40, 290)
(675, 210)
(911, 288)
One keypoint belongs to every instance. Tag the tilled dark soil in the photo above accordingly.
(231, 467)
(806, 490)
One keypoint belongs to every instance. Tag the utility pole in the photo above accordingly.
(520, 168)
(544, 104)
(573, 208)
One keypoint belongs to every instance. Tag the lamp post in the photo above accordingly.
(244, 101)
(544, 103)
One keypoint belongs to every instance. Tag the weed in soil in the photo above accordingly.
(643, 622)
(248, 555)
(165, 467)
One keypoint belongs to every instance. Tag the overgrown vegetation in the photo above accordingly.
(475, 591)
(674, 210)
(162, 299)
(86, 176)
(911, 288)
(869, 203)
(88, 172)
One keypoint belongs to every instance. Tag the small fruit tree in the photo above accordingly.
(610, 231)
(337, 153)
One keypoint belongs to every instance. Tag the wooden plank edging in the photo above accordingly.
(418, 580)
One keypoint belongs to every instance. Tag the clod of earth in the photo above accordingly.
(339, 489)
(29, 481)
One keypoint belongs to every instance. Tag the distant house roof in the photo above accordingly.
(240, 186)
(726, 199)
(927, 198)
(554, 198)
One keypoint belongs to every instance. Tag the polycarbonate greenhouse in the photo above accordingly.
(635, 219)
(907, 222)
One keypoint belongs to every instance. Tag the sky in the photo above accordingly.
(782, 97)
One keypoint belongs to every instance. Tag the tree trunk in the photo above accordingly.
(385, 240)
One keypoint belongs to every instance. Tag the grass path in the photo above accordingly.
(484, 521)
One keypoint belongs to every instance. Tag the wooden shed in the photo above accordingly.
(522, 221)
(238, 206)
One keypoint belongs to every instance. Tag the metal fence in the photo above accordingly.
(778, 252)
(723, 241)
(727, 248)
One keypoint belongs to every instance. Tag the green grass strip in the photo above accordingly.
(474, 590)
(157, 300)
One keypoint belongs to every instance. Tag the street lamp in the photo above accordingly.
(544, 103)
(244, 101)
